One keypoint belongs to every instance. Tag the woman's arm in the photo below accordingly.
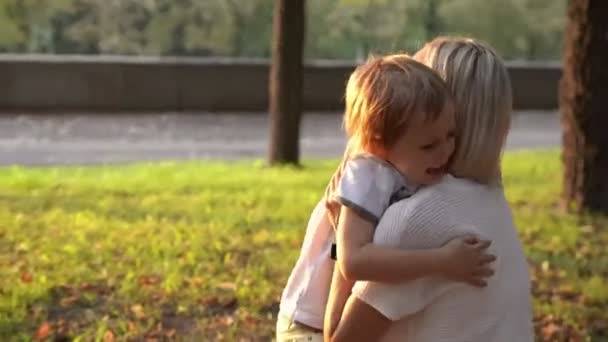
(339, 292)
(463, 259)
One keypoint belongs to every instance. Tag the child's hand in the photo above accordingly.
(466, 260)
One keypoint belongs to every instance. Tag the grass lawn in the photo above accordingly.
(177, 250)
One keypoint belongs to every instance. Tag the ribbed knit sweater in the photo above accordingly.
(437, 310)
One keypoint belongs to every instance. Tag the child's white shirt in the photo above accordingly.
(369, 186)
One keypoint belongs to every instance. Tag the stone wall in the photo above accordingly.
(108, 83)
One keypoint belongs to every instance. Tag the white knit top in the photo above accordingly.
(437, 310)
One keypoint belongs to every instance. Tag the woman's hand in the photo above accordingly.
(466, 259)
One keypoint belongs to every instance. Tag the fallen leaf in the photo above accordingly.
(26, 277)
(545, 266)
(159, 295)
(226, 320)
(231, 304)
(198, 281)
(88, 287)
(210, 301)
(214, 304)
(43, 332)
(227, 286)
(250, 320)
(549, 330)
(68, 300)
(108, 336)
(149, 280)
(170, 333)
(132, 326)
(138, 311)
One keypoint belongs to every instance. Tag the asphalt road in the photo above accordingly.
(74, 139)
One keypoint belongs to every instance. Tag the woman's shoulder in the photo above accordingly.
(416, 221)
(447, 185)
(452, 186)
(442, 194)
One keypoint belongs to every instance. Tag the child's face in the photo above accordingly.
(423, 152)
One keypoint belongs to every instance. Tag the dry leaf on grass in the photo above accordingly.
(43, 332)
(108, 336)
(26, 277)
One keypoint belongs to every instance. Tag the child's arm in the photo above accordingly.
(462, 259)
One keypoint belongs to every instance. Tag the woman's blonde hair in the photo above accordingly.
(481, 89)
(382, 96)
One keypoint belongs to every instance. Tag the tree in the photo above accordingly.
(584, 107)
(286, 81)
(251, 27)
(339, 29)
(11, 36)
(432, 26)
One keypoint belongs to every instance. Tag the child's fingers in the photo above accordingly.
(478, 282)
(471, 239)
(487, 258)
(484, 272)
(483, 244)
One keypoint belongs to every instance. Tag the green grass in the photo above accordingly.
(203, 249)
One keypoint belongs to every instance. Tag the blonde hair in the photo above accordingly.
(382, 96)
(481, 89)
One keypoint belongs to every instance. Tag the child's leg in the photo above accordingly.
(290, 331)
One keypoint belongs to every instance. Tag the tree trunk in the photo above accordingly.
(286, 81)
(431, 20)
(584, 107)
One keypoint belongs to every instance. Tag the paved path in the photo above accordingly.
(49, 139)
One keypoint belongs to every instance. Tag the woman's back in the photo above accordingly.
(439, 310)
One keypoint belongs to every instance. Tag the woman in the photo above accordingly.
(469, 201)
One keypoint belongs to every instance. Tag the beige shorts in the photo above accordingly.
(290, 331)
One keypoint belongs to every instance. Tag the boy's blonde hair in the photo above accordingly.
(382, 96)
(481, 90)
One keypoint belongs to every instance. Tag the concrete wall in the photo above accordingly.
(102, 83)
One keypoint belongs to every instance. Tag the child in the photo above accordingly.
(400, 126)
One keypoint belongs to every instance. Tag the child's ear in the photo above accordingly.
(377, 150)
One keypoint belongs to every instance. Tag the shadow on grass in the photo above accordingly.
(95, 309)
